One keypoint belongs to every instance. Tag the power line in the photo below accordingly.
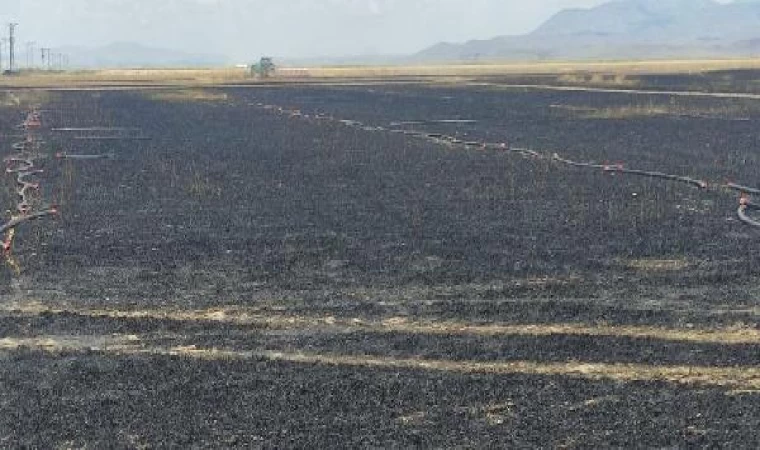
(48, 59)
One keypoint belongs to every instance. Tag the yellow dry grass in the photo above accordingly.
(611, 73)
(739, 379)
(634, 111)
(23, 98)
(126, 78)
(187, 95)
(737, 334)
(201, 187)
(745, 378)
(58, 343)
(614, 79)
(656, 265)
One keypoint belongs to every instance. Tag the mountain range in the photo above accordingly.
(624, 29)
(619, 29)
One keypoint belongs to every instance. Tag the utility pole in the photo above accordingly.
(12, 39)
(45, 54)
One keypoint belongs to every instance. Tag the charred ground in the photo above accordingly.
(300, 235)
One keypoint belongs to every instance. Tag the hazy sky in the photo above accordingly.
(284, 28)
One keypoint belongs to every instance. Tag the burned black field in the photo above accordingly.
(262, 271)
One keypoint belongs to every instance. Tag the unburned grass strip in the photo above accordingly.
(746, 379)
(737, 334)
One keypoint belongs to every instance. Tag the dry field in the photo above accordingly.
(312, 265)
(608, 73)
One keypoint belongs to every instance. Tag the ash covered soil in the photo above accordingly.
(250, 277)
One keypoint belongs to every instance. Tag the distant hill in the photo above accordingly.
(624, 29)
(126, 54)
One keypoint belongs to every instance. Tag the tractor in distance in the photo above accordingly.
(264, 68)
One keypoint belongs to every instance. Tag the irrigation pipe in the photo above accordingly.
(442, 138)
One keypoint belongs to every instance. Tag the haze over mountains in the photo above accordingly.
(624, 29)
(223, 32)
(130, 54)
(244, 30)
